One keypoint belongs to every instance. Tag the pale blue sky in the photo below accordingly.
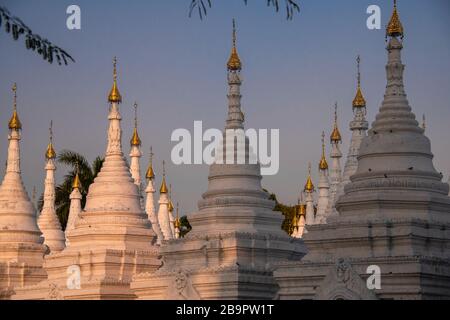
(174, 66)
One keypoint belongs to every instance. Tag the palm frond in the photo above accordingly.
(40, 203)
(62, 202)
(185, 226)
(87, 174)
(72, 159)
(97, 166)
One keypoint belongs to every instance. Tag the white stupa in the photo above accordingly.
(393, 216)
(75, 205)
(21, 241)
(335, 169)
(236, 236)
(358, 126)
(323, 187)
(135, 156)
(113, 198)
(309, 191)
(395, 165)
(164, 213)
(112, 239)
(48, 221)
(149, 201)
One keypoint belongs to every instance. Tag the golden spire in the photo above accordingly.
(359, 101)
(76, 182)
(14, 123)
(296, 216)
(424, 123)
(170, 199)
(395, 27)
(150, 174)
(234, 63)
(323, 164)
(114, 95)
(302, 211)
(335, 135)
(163, 188)
(294, 221)
(50, 153)
(135, 140)
(177, 222)
(309, 186)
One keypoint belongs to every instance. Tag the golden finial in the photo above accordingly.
(234, 33)
(302, 205)
(150, 174)
(335, 135)
(76, 181)
(14, 123)
(14, 90)
(177, 222)
(163, 188)
(294, 221)
(358, 62)
(114, 95)
(135, 140)
(302, 209)
(323, 164)
(50, 153)
(234, 63)
(359, 101)
(309, 186)
(395, 27)
(424, 124)
(170, 198)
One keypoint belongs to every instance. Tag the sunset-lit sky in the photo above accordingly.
(174, 67)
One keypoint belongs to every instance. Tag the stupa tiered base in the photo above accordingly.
(412, 255)
(104, 274)
(110, 243)
(231, 251)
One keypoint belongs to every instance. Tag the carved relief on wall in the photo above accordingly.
(114, 137)
(181, 288)
(343, 283)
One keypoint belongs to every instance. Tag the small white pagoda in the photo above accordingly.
(21, 243)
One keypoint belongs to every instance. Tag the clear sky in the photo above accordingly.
(174, 67)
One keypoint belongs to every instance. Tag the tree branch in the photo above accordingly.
(202, 6)
(47, 50)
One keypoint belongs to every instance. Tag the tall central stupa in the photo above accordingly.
(236, 236)
(111, 239)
